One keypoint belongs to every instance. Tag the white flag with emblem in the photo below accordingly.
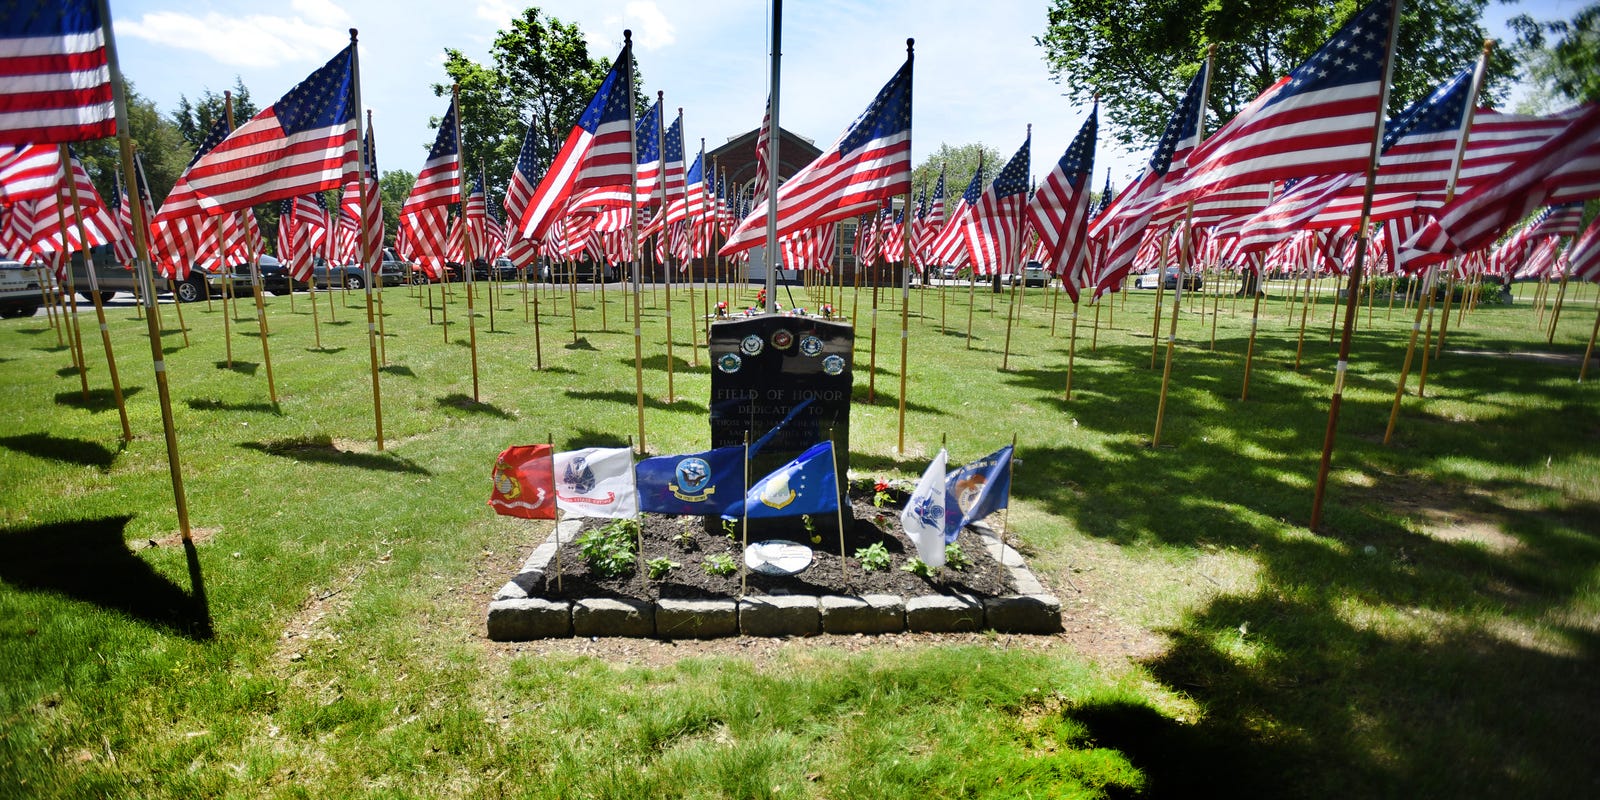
(923, 517)
(596, 482)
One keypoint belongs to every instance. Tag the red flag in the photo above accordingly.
(524, 483)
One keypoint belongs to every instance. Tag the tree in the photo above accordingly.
(194, 119)
(155, 139)
(958, 164)
(1564, 67)
(542, 75)
(393, 187)
(1140, 57)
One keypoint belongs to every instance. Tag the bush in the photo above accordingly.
(608, 549)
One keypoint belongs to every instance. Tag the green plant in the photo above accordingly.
(955, 558)
(719, 564)
(873, 557)
(730, 529)
(685, 537)
(918, 567)
(608, 549)
(657, 568)
(811, 528)
(880, 494)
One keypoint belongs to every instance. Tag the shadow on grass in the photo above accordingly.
(100, 400)
(67, 372)
(33, 331)
(241, 367)
(60, 348)
(581, 344)
(629, 397)
(560, 370)
(328, 350)
(397, 369)
(209, 404)
(321, 449)
(461, 402)
(584, 437)
(55, 448)
(88, 560)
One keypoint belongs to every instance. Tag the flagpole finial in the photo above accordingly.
(910, 44)
(627, 37)
(352, 35)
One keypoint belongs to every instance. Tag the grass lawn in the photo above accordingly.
(324, 636)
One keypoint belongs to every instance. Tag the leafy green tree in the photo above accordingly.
(156, 139)
(958, 164)
(1563, 58)
(542, 74)
(393, 186)
(1139, 57)
(195, 118)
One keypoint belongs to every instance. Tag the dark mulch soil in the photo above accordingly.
(689, 540)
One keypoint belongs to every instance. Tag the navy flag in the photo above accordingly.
(976, 490)
(697, 484)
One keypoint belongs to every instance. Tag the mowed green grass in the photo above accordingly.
(324, 638)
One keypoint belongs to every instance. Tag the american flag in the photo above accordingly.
(693, 201)
(1059, 210)
(123, 248)
(949, 246)
(871, 162)
(866, 244)
(1120, 227)
(180, 228)
(934, 221)
(672, 157)
(285, 235)
(1564, 168)
(1583, 259)
(647, 135)
(426, 231)
(758, 191)
(439, 182)
(55, 82)
(596, 159)
(809, 249)
(49, 212)
(28, 171)
(1317, 122)
(351, 217)
(305, 142)
(16, 230)
(1565, 219)
(993, 230)
(310, 235)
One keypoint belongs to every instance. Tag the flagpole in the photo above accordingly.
(255, 278)
(1016, 266)
(94, 291)
(771, 254)
(872, 357)
(838, 509)
(905, 320)
(376, 276)
(1355, 271)
(661, 149)
(1255, 322)
(1450, 191)
(744, 520)
(633, 235)
(74, 331)
(467, 250)
(1583, 369)
(694, 328)
(366, 246)
(143, 269)
(138, 170)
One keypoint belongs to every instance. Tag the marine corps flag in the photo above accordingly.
(524, 482)
(977, 490)
(697, 484)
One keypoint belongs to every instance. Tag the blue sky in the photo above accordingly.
(979, 76)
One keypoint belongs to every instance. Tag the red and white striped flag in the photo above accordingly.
(597, 156)
(1583, 258)
(28, 171)
(949, 245)
(55, 81)
(993, 230)
(1059, 210)
(439, 182)
(870, 163)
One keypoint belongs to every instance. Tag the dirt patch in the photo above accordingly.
(695, 544)
(1447, 514)
(175, 538)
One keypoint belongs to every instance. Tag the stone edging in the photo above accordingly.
(515, 615)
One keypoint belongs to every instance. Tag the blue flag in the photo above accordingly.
(697, 484)
(806, 485)
(976, 490)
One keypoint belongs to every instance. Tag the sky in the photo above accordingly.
(978, 75)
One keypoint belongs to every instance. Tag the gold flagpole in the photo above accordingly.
(838, 506)
(255, 278)
(905, 328)
(75, 333)
(94, 294)
(1583, 369)
(377, 265)
(1255, 322)
(1016, 266)
(633, 235)
(1354, 290)
(694, 329)
(666, 270)
(1072, 346)
(143, 270)
(872, 363)
(468, 253)
(1161, 282)
(1185, 259)
(366, 246)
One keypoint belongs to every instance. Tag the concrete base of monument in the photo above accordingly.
(531, 606)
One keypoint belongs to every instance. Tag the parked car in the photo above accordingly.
(1168, 279)
(114, 279)
(353, 276)
(586, 271)
(20, 292)
(1032, 274)
(503, 270)
(274, 278)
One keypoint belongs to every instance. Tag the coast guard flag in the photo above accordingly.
(924, 516)
(806, 485)
(524, 482)
(976, 490)
(596, 482)
(697, 484)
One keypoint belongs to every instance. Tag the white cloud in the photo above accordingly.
(499, 12)
(253, 41)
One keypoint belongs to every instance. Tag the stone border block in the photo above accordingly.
(1029, 613)
(696, 619)
(872, 613)
(780, 615)
(613, 616)
(944, 613)
(529, 618)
